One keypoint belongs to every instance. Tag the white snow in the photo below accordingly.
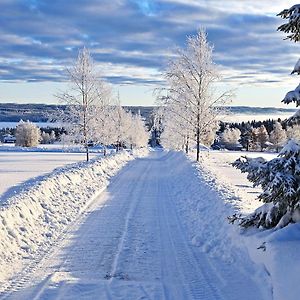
(31, 220)
(38, 124)
(277, 250)
(16, 168)
(159, 231)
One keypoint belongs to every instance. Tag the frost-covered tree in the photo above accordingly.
(279, 179)
(230, 137)
(191, 94)
(52, 137)
(293, 133)
(262, 137)
(45, 138)
(278, 136)
(138, 135)
(27, 134)
(83, 100)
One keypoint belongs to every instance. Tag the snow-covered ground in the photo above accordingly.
(38, 124)
(159, 231)
(18, 167)
(31, 220)
(277, 250)
(238, 118)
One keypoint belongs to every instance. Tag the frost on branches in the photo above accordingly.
(279, 179)
(192, 103)
(27, 134)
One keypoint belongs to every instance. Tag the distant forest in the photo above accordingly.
(12, 112)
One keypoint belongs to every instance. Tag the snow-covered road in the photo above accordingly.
(134, 242)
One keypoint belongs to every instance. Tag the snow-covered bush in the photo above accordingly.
(27, 134)
(230, 137)
(279, 179)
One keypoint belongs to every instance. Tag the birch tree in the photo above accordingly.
(83, 100)
(190, 78)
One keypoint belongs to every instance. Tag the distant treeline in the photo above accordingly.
(12, 112)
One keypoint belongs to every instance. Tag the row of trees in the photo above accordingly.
(259, 139)
(93, 114)
(190, 104)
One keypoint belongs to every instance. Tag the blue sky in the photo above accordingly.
(132, 40)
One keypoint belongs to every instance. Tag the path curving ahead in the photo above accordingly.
(133, 243)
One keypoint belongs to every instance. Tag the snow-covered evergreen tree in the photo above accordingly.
(27, 134)
(292, 28)
(246, 137)
(279, 179)
(278, 136)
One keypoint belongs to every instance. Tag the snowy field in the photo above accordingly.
(17, 167)
(238, 118)
(38, 124)
(218, 163)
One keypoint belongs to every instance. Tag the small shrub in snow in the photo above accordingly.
(279, 179)
(27, 134)
(230, 137)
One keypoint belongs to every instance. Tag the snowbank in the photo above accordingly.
(204, 205)
(32, 220)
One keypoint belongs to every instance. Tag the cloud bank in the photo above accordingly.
(131, 40)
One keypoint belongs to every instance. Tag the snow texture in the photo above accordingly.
(32, 220)
(276, 250)
(152, 234)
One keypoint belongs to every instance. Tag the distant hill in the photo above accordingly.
(12, 112)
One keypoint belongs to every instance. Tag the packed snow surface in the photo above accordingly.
(158, 231)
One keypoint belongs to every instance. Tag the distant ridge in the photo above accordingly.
(13, 112)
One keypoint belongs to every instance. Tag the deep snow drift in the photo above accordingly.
(30, 221)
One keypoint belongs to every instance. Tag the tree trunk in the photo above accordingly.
(87, 152)
(198, 144)
(187, 145)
